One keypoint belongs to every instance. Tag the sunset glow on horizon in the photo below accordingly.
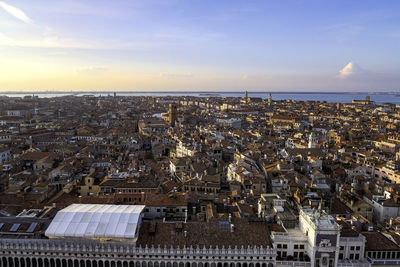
(173, 45)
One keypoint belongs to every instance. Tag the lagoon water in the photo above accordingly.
(379, 98)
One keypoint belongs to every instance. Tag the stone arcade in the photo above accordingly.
(37, 253)
(88, 235)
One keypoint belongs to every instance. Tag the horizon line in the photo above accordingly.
(207, 92)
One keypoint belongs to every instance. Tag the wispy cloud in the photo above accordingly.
(16, 12)
(38, 36)
(177, 75)
(182, 35)
(91, 70)
(47, 41)
(254, 77)
(6, 40)
(340, 32)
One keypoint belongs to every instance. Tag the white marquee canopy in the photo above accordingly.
(96, 221)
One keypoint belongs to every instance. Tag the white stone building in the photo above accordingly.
(5, 155)
(319, 237)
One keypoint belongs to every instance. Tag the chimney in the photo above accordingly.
(185, 233)
(232, 228)
(230, 217)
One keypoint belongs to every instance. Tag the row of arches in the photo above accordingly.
(57, 262)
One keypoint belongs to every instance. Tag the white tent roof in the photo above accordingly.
(96, 221)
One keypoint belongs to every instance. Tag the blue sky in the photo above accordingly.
(200, 45)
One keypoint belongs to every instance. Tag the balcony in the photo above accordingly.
(389, 262)
(293, 263)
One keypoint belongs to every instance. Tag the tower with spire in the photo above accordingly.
(312, 140)
(269, 99)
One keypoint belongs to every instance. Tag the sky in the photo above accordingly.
(200, 45)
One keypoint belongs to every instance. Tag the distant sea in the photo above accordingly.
(379, 98)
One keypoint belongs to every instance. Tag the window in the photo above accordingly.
(279, 246)
(352, 248)
(301, 246)
(296, 246)
(284, 245)
(341, 248)
(357, 256)
(351, 256)
(340, 256)
(357, 247)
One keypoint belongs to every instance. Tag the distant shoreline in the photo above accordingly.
(188, 92)
(333, 97)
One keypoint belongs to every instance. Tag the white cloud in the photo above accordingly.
(353, 77)
(350, 70)
(16, 12)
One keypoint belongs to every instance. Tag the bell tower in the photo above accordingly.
(312, 141)
(172, 113)
(269, 99)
